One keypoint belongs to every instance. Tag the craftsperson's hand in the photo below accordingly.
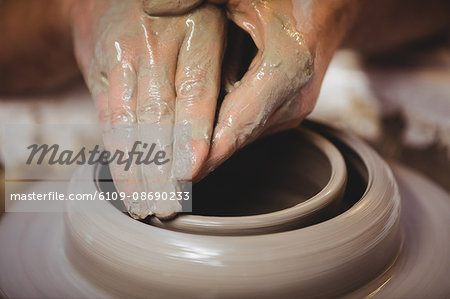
(295, 41)
(142, 69)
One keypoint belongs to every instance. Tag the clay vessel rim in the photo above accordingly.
(325, 196)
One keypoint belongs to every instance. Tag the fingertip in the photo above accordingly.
(223, 146)
(166, 217)
(210, 158)
(200, 150)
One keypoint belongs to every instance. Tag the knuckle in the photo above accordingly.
(155, 111)
(190, 91)
(122, 116)
(103, 116)
(192, 84)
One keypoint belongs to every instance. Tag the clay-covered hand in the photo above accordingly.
(144, 69)
(295, 41)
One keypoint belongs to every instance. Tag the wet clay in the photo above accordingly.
(306, 184)
(373, 248)
(164, 7)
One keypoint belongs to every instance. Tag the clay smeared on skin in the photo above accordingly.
(270, 91)
(155, 70)
(164, 7)
(197, 80)
(283, 65)
(185, 91)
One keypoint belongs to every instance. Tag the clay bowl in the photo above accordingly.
(95, 250)
(282, 182)
(125, 257)
(367, 250)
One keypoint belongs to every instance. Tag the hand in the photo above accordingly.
(150, 70)
(295, 41)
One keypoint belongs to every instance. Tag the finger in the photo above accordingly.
(169, 7)
(120, 134)
(291, 114)
(198, 79)
(156, 79)
(282, 66)
(246, 109)
(282, 120)
(111, 78)
(156, 106)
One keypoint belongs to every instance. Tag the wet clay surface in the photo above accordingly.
(307, 178)
(371, 249)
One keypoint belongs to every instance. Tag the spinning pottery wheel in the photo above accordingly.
(348, 231)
